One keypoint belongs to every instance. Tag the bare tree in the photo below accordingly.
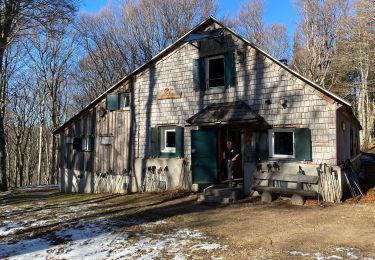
(123, 37)
(355, 63)
(315, 39)
(16, 18)
(51, 59)
(21, 119)
(249, 22)
(276, 41)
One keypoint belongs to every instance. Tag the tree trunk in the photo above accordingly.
(3, 91)
(8, 167)
(20, 165)
(40, 155)
(48, 160)
(3, 172)
(53, 161)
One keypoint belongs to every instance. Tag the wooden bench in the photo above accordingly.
(298, 194)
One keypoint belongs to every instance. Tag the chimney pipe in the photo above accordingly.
(284, 61)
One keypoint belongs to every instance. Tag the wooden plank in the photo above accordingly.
(287, 177)
(285, 191)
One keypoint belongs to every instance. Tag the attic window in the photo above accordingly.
(215, 71)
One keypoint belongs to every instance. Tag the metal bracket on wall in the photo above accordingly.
(195, 45)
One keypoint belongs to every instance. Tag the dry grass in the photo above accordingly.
(250, 228)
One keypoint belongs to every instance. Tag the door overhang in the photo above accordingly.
(226, 113)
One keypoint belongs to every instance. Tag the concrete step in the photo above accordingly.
(220, 194)
(223, 191)
(218, 200)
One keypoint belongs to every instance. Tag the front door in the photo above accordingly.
(235, 136)
(203, 153)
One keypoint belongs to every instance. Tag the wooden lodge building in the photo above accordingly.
(172, 117)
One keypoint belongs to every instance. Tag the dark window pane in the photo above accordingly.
(283, 143)
(171, 139)
(216, 72)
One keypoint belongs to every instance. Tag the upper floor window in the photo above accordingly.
(116, 101)
(215, 76)
(83, 144)
(214, 72)
(124, 100)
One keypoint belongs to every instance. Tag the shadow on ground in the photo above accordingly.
(367, 174)
(122, 211)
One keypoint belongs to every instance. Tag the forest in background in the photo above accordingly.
(55, 60)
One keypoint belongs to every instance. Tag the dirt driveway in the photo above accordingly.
(280, 230)
(47, 224)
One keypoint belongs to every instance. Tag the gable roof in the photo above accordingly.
(181, 40)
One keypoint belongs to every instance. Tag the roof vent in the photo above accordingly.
(284, 61)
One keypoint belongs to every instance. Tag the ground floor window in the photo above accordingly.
(282, 144)
(168, 140)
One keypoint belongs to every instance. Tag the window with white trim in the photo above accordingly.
(281, 143)
(215, 71)
(124, 100)
(168, 140)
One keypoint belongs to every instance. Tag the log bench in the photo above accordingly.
(298, 194)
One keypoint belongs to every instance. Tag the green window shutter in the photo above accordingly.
(77, 143)
(199, 78)
(302, 144)
(155, 142)
(112, 101)
(90, 144)
(229, 70)
(261, 146)
(179, 141)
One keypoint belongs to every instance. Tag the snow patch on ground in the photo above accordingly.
(10, 229)
(102, 240)
(38, 187)
(206, 246)
(78, 232)
(336, 253)
(14, 219)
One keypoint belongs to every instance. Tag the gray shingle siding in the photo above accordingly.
(257, 79)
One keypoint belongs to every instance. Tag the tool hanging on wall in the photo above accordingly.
(147, 179)
(185, 178)
(155, 180)
(162, 183)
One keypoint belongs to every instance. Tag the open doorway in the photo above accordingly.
(235, 136)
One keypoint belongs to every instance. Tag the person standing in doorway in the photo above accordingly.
(230, 156)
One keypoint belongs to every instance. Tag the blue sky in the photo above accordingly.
(281, 11)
